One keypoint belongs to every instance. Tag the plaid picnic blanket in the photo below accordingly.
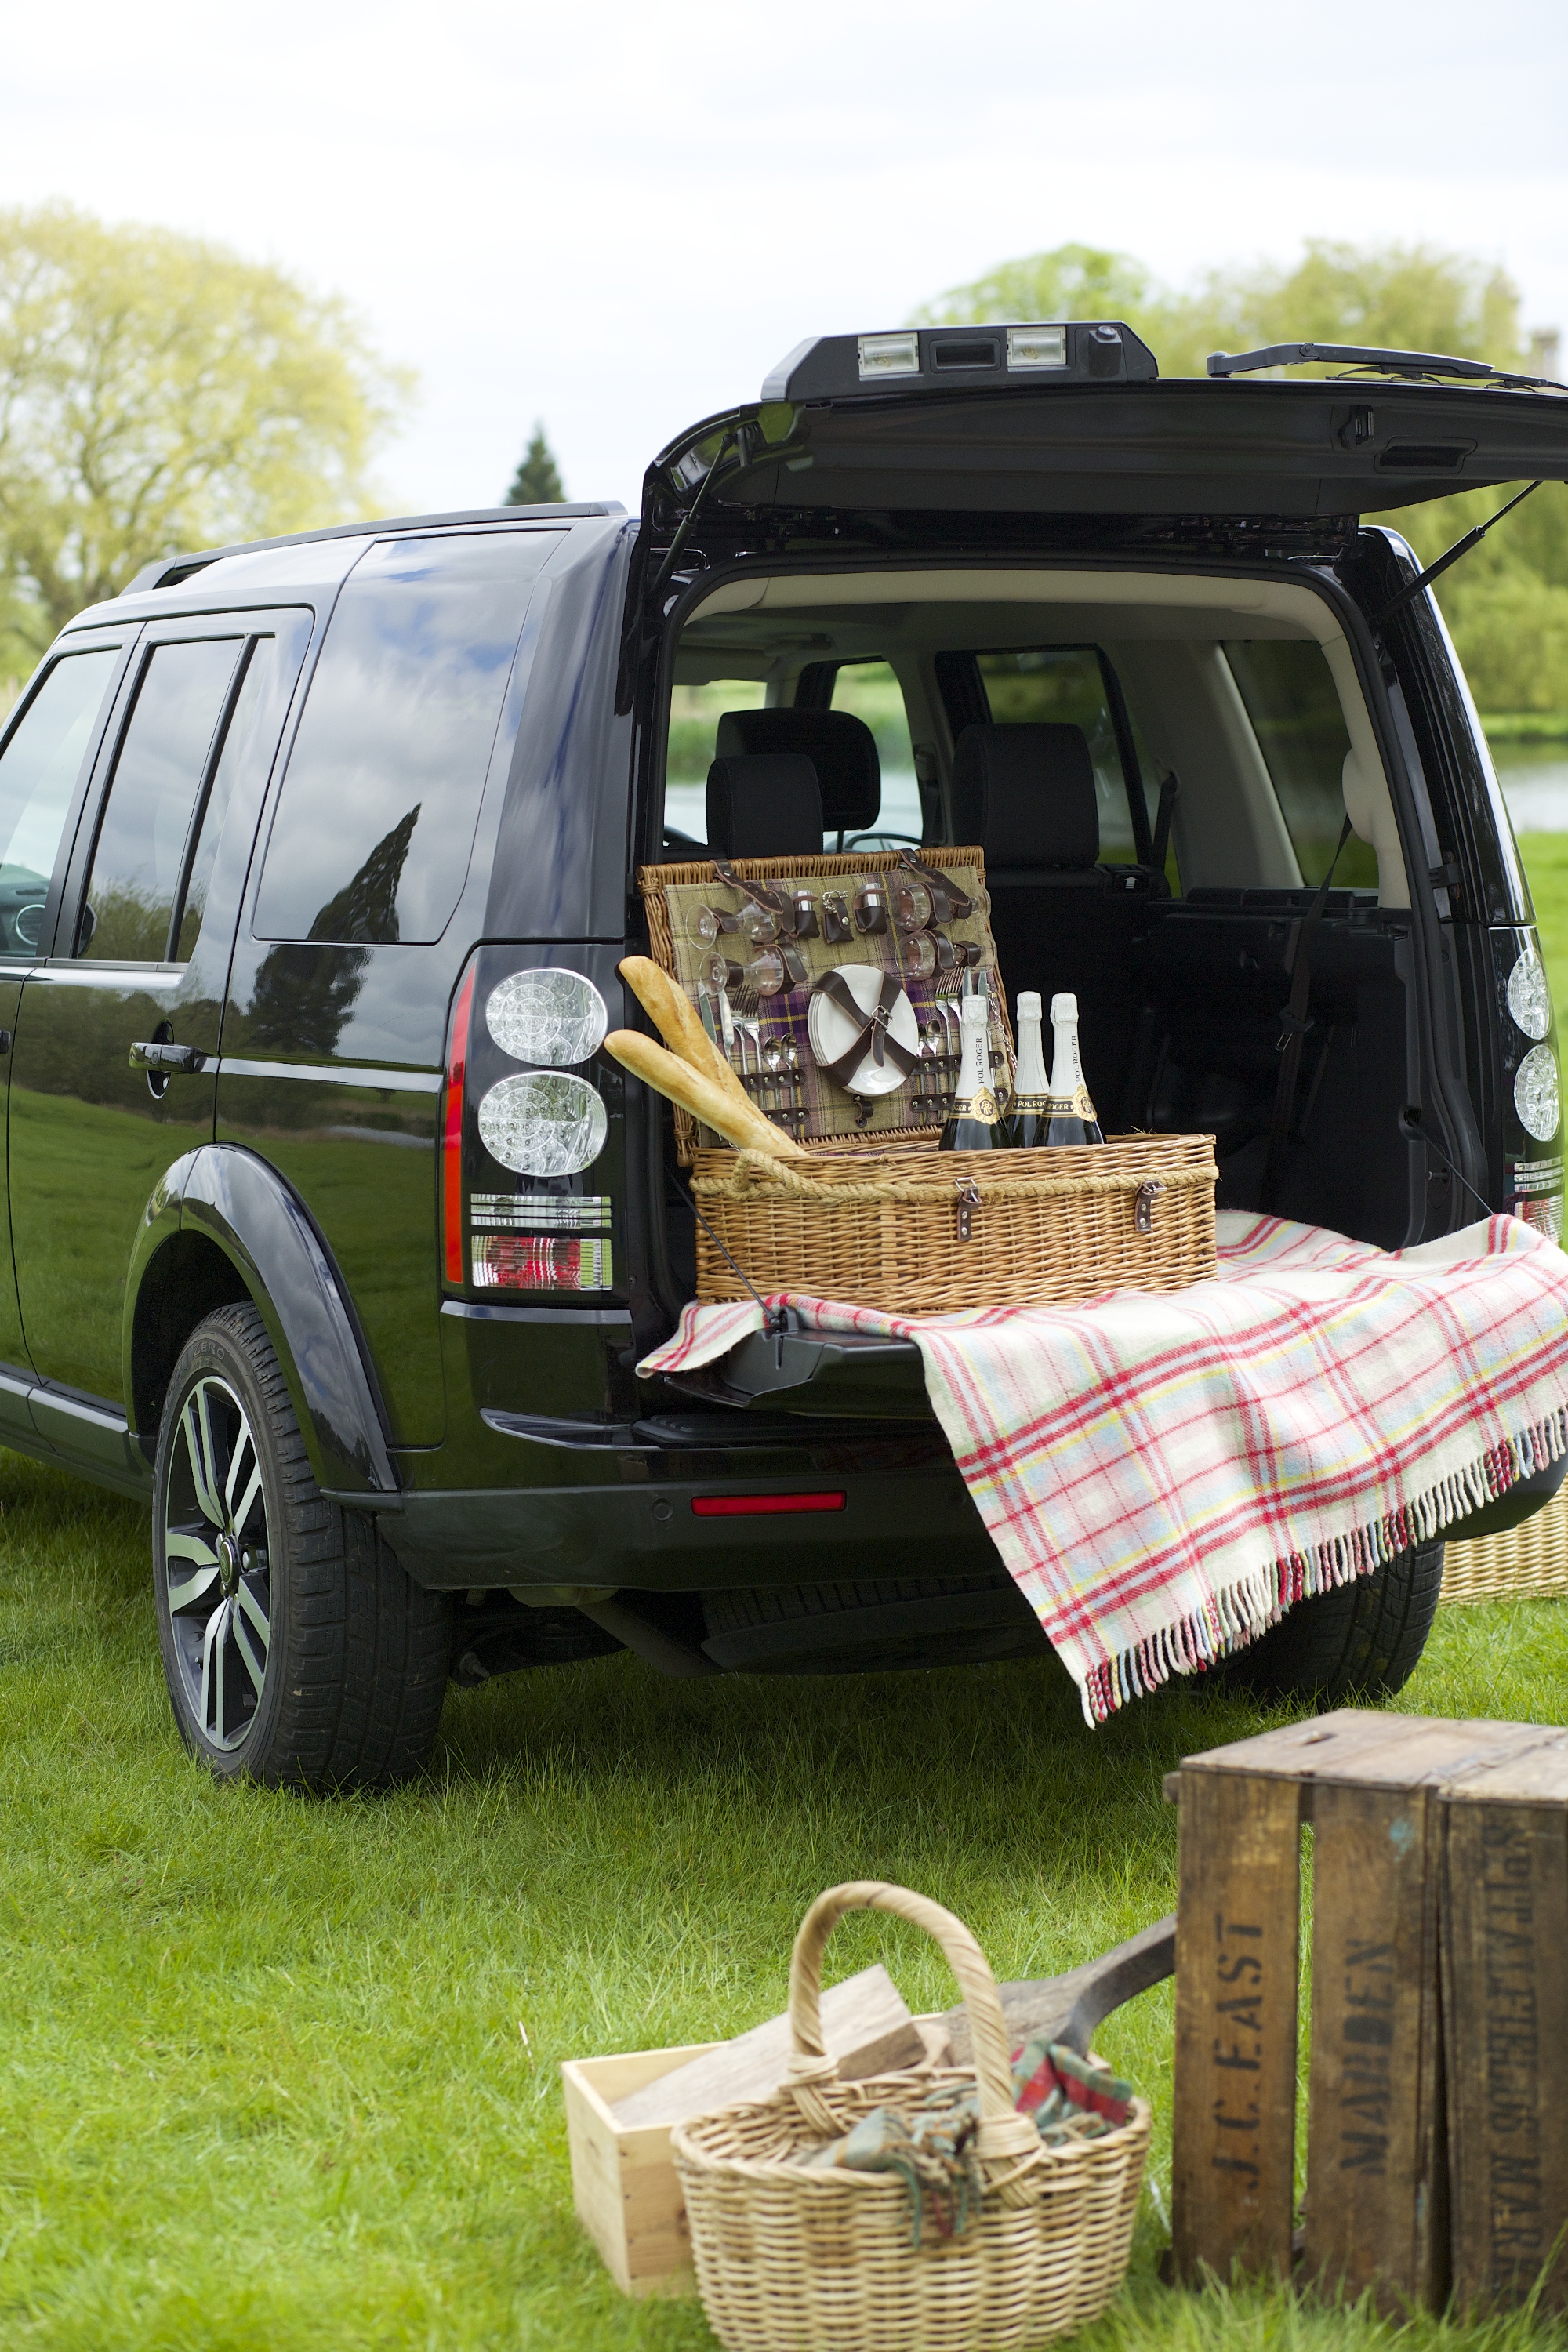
(1163, 1475)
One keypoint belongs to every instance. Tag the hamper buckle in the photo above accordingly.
(1143, 1207)
(968, 1202)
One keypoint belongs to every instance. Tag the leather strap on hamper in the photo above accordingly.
(873, 1035)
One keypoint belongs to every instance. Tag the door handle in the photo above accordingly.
(156, 1054)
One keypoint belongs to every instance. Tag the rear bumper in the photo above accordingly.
(647, 1537)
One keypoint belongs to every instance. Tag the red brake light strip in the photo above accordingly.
(745, 1507)
(452, 1133)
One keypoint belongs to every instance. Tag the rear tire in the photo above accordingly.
(1364, 1640)
(297, 1650)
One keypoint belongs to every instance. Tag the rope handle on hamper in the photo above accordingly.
(756, 1169)
(1004, 2132)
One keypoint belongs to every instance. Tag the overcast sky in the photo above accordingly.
(617, 216)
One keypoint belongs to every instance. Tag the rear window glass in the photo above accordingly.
(694, 715)
(1066, 686)
(870, 690)
(39, 772)
(376, 821)
(1294, 706)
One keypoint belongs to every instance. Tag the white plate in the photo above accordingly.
(832, 1031)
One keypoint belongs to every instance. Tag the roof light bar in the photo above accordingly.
(961, 359)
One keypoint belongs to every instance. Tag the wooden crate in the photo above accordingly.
(1429, 1835)
(623, 2182)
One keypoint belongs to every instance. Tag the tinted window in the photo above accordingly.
(39, 772)
(252, 707)
(1066, 684)
(140, 855)
(377, 817)
(1294, 706)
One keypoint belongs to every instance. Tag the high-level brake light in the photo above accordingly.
(889, 355)
(1036, 347)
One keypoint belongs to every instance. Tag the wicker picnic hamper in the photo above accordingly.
(1523, 1563)
(921, 1232)
(794, 2258)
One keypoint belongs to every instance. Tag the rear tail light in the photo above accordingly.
(516, 1141)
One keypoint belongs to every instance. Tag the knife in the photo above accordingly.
(705, 1007)
(728, 1019)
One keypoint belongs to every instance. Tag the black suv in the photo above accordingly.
(336, 1236)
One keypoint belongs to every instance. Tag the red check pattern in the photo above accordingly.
(1163, 1475)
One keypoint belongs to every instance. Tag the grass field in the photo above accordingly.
(283, 2074)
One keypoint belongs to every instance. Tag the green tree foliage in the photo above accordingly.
(1507, 603)
(537, 482)
(158, 394)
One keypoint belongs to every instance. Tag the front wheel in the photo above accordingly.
(296, 1649)
(1363, 1640)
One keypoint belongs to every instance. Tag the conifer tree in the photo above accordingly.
(537, 482)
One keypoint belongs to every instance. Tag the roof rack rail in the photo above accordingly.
(1414, 366)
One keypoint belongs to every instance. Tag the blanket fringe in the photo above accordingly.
(1238, 1615)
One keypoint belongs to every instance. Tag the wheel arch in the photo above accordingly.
(224, 1225)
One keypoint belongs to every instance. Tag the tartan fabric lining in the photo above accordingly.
(1165, 1475)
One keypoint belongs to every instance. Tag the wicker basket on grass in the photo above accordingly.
(924, 1233)
(791, 2257)
(1528, 1562)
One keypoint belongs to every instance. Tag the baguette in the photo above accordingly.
(673, 1014)
(739, 1123)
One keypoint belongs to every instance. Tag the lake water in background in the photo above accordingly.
(1534, 780)
(1533, 776)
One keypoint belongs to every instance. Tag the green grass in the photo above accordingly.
(264, 2081)
(265, 2085)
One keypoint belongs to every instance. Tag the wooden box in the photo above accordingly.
(1438, 2119)
(623, 2182)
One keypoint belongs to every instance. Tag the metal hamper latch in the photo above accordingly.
(1143, 1206)
(968, 1202)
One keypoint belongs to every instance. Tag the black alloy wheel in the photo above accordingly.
(296, 1650)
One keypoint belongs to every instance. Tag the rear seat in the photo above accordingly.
(1061, 920)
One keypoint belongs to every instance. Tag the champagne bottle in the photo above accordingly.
(1069, 1114)
(1026, 1111)
(974, 1122)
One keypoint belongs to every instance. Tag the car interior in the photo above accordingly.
(1157, 768)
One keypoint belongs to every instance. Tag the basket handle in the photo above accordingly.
(1003, 2131)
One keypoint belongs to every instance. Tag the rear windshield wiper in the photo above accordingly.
(1414, 366)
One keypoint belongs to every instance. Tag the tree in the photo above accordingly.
(158, 394)
(1507, 603)
(537, 482)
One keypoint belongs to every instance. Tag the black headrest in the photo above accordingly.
(1027, 795)
(765, 807)
(840, 747)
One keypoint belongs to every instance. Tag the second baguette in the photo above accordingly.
(738, 1122)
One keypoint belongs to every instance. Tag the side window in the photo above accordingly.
(375, 820)
(144, 832)
(870, 690)
(1294, 706)
(252, 705)
(1066, 684)
(38, 771)
(695, 711)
